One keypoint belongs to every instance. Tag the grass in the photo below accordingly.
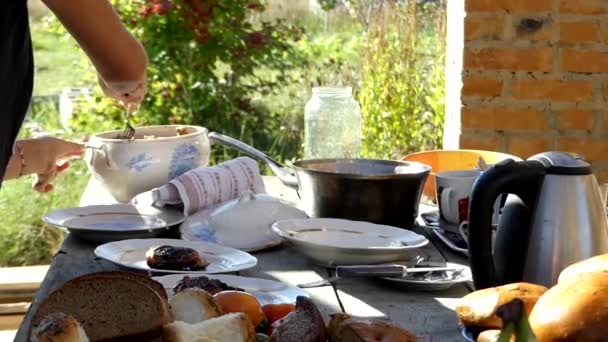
(57, 63)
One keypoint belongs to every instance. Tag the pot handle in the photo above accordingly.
(102, 149)
(285, 174)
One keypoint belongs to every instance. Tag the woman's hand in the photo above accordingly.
(126, 92)
(46, 157)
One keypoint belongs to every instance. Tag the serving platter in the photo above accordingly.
(102, 223)
(266, 291)
(132, 254)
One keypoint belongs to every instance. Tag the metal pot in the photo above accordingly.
(378, 191)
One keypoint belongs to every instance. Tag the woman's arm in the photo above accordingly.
(119, 58)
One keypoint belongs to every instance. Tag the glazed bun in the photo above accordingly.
(59, 327)
(478, 309)
(596, 264)
(573, 310)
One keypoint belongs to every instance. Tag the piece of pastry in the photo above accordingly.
(303, 325)
(344, 328)
(194, 305)
(234, 327)
(175, 258)
(573, 310)
(59, 327)
(478, 309)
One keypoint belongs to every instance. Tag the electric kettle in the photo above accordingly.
(553, 217)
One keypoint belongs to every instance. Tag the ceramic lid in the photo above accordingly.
(243, 223)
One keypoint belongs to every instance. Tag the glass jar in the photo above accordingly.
(332, 124)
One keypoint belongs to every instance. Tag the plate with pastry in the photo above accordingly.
(175, 256)
(264, 290)
(103, 223)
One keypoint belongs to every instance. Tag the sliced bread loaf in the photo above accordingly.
(234, 327)
(109, 308)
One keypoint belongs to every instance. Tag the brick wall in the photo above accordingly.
(534, 77)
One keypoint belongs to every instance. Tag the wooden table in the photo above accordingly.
(428, 314)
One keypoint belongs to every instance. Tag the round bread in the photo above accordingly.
(595, 264)
(478, 309)
(59, 327)
(574, 310)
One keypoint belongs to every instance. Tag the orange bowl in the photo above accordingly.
(451, 160)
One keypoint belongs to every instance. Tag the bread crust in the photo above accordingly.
(344, 328)
(595, 264)
(155, 285)
(478, 309)
(573, 310)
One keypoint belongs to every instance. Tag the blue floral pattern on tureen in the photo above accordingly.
(139, 162)
(206, 234)
(185, 158)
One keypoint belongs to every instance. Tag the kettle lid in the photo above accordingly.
(562, 163)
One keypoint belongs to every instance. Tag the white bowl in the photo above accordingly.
(332, 242)
(129, 167)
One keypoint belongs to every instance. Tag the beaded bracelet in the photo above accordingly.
(19, 151)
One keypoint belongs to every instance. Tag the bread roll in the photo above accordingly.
(478, 309)
(596, 264)
(59, 327)
(344, 328)
(573, 310)
(194, 305)
(234, 327)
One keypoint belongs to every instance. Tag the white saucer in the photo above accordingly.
(435, 284)
(132, 254)
(332, 242)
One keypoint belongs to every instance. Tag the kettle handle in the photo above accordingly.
(523, 179)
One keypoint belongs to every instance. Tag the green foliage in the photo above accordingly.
(402, 92)
(209, 60)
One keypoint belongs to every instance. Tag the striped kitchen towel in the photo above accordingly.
(207, 186)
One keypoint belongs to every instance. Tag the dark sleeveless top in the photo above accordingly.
(16, 74)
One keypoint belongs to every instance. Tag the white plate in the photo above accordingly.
(132, 254)
(434, 284)
(266, 291)
(331, 242)
(114, 222)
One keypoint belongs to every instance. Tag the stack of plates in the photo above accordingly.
(102, 223)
